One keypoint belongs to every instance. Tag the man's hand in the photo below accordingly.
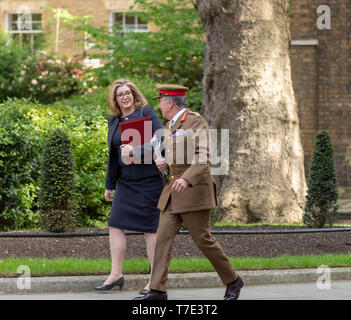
(180, 185)
(108, 195)
(161, 164)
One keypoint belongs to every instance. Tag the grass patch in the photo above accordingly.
(80, 266)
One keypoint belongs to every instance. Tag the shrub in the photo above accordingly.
(58, 192)
(322, 193)
(87, 128)
(51, 78)
(12, 60)
(19, 168)
(44, 77)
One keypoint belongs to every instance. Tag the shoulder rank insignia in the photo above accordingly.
(179, 133)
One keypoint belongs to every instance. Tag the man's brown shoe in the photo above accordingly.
(233, 289)
(153, 295)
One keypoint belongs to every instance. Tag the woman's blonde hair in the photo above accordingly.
(139, 99)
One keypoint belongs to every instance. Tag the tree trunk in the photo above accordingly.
(247, 88)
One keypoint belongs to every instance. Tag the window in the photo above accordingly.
(129, 23)
(26, 28)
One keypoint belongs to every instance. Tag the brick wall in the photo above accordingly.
(304, 78)
(98, 9)
(322, 79)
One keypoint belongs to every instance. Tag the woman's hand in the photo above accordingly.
(127, 150)
(108, 195)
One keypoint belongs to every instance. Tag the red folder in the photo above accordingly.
(136, 132)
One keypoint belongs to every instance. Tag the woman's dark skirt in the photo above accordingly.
(134, 205)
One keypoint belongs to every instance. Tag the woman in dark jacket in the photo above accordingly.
(133, 188)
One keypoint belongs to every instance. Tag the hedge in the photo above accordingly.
(23, 127)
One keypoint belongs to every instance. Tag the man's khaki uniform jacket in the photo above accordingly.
(187, 153)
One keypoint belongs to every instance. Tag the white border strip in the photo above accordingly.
(306, 42)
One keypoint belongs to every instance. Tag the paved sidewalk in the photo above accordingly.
(32, 285)
(339, 290)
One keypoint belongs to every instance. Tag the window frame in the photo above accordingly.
(9, 22)
(125, 29)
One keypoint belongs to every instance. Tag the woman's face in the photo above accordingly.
(124, 97)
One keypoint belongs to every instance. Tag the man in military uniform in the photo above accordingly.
(188, 195)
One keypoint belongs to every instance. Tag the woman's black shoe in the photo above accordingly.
(144, 291)
(104, 287)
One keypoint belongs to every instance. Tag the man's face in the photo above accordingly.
(165, 107)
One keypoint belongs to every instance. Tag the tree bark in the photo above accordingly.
(247, 88)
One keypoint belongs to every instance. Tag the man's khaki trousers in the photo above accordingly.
(198, 224)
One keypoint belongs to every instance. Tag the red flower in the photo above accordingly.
(77, 71)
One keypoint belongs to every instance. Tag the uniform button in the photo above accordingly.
(172, 177)
(170, 164)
